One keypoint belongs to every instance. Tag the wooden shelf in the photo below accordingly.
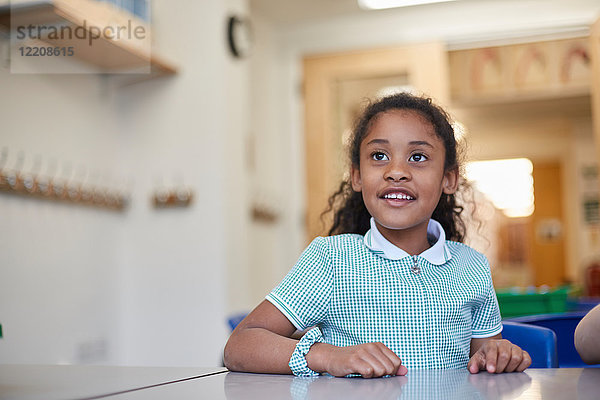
(108, 53)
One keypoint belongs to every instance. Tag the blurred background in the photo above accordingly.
(151, 190)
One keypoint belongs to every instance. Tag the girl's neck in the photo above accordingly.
(412, 240)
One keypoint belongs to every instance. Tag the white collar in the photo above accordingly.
(437, 254)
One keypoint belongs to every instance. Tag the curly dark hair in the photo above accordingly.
(350, 213)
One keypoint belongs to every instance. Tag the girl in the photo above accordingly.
(387, 291)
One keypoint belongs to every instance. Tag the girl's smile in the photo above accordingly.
(397, 197)
(401, 176)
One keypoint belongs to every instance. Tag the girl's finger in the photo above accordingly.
(504, 355)
(515, 359)
(402, 370)
(476, 363)
(526, 362)
(491, 356)
(390, 359)
(373, 366)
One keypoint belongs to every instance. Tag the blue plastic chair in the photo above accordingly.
(538, 341)
(563, 325)
(234, 320)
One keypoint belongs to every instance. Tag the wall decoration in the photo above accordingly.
(529, 70)
(576, 54)
(486, 69)
(531, 67)
(548, 230)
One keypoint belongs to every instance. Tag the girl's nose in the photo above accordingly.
(397, 171)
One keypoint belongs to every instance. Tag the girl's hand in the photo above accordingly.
(370, 360)
(499, 355)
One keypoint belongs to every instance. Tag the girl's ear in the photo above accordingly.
(356, 180)
(450, 182)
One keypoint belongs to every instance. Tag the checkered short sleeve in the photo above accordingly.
(304, 294)
(486, 316)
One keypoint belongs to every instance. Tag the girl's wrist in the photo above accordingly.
(317, 357)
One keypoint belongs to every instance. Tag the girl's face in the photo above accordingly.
(401, 174)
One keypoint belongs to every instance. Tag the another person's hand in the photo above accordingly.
(370, 360)
(496, 356)
(586, 337)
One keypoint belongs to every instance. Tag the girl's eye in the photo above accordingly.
(379, 156)
(417, 157)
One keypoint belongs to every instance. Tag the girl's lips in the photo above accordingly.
(397, 194)
(397, 198)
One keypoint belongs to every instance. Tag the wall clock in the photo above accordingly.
(239, 36)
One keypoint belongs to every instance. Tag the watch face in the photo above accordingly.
(239, 36)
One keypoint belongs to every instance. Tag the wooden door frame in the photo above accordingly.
(427, 69)
(548, 258)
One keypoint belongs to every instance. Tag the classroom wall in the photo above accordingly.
(59, 286)
(145, 286)
(276, 167)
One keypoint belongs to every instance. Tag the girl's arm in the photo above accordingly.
(496, 355)
(261, 343)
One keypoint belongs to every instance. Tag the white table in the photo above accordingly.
(555, 384)
(58, 382)
(126, 383)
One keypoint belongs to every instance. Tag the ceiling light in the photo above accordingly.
(382, 4)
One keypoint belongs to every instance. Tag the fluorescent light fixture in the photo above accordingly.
(507, 183)
(382, 4)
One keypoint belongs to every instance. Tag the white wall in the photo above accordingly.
(59, 265)
(277, 171)
(191, 126)
(146, 286)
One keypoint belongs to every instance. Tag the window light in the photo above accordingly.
(507, 183)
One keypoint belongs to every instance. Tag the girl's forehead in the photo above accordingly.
(401, 123)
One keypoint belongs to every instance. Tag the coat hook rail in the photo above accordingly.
(67, 187)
